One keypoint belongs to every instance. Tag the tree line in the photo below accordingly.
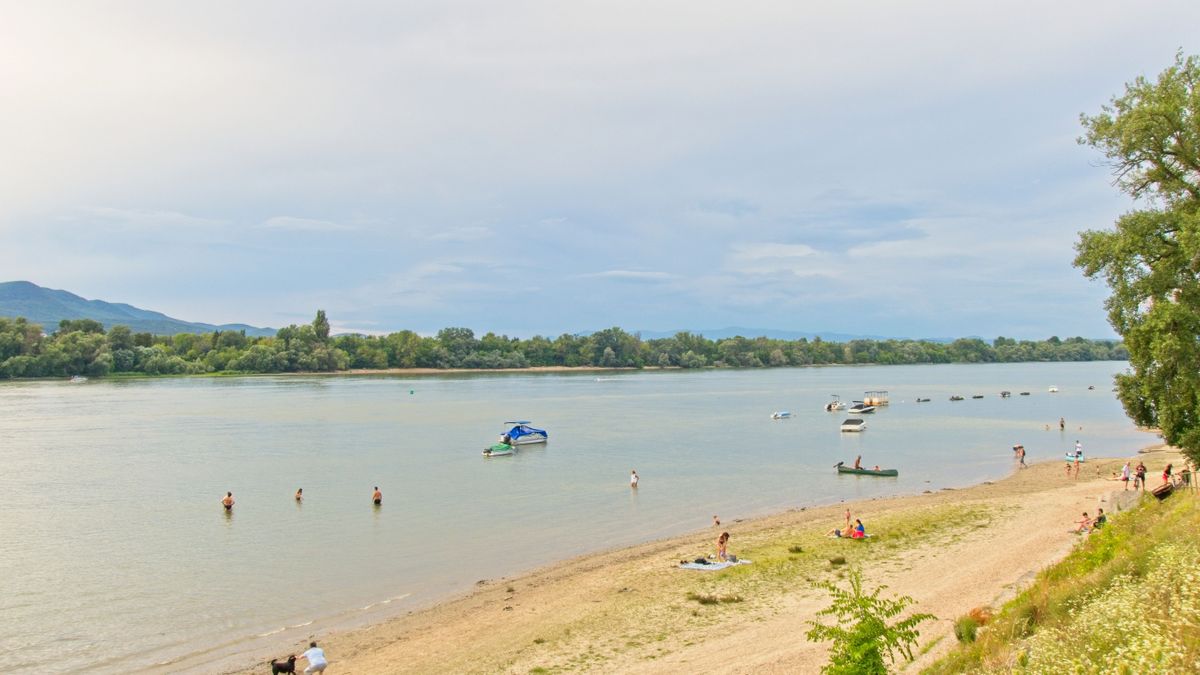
(83, 347)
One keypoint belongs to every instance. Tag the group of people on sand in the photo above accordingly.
(227, 501)
(858, 531)
(1138, 475)
(1087, 524)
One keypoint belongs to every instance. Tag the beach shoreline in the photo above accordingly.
(566, 613)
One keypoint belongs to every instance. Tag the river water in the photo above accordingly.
(118, 557)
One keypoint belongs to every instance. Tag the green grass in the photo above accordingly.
(1062, 622)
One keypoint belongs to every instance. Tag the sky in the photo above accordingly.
(903, 169)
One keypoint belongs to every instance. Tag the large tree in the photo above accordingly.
(1150, 137)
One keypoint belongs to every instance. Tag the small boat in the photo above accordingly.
(1005, 394)
(922, 400)
(977, 396)
(835, 405)
(854, 424)
(77, 379)
(860, 408)
(842, 468)
(956, 398)
(1091, 387)
(499, 450)
(877, 397)
(523, 434)
(1070, 457)
(1024, 393)
(1053, 389)
(1163, 491)
(781, 415)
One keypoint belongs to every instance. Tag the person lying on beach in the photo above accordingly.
(838, 533)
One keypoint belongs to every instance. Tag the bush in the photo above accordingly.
(965, 629)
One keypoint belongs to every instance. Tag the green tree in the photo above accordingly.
(862, 637)
(1150, 137)
(321, 326)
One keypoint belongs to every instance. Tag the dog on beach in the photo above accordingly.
(287, 666)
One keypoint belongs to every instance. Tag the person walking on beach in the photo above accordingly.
(1140, 476)
(227, 501)
(633, 479)
(377, 496)
(316, 659)
(1125, 475)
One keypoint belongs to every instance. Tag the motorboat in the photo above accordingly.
(922, 400)
(842, 468)
(522, 434)
(1053, 389)
(956, 398)
(499, 450)
(854, 424)
(77, 379)
(1024, 393)
(835, 405)
(977, 396)
(860, 408)
(1005, 394)
(781, 415)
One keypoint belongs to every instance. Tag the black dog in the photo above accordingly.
(288, 666)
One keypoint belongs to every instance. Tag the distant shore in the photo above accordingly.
(633, 610)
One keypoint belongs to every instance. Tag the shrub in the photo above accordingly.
(965, 628)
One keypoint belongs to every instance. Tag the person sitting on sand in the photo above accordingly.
(722, 544)
(227, 501)
(859, 532)
(1100, 520)
(1084, 524)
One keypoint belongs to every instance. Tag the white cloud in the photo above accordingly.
(304, 224)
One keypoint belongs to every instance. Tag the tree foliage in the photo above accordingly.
(863, 640)
(84, 349)
(1150, 137)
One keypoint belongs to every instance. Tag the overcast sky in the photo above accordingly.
(884, 168)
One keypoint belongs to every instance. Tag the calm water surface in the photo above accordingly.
(117, 555)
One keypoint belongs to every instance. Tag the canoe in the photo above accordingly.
(498, 450)
(867, 472)
(1070, 457)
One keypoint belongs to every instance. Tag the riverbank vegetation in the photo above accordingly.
(1124, 601)
(83, 347)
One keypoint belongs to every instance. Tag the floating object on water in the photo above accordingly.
(854, 424)
(1005, 394)
(861, 408)
(922, 400)
(835, 405)
(956, 398)
(498, 450)
(1024, 393)
(842, 468)
(977, 396)
(1053, 389)
(781, 415)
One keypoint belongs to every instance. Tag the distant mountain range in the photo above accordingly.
(47, 307)
(735, 331)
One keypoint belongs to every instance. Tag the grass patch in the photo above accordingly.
(966, 628)
(1125, 600)
(795, 548)
(710, 599)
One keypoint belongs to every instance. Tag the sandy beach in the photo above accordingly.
(633, 610)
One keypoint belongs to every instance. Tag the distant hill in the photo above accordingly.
(735, 331)
(47, 307)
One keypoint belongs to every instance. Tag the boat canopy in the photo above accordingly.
(521, 429)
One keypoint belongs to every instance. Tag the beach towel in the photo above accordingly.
(711, 566)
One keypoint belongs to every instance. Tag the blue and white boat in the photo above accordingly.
(522, 434)
(781, 415)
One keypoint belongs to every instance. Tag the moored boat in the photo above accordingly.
(781, 415)
(956, 398)
(1005, 394)
(835, 405)
(860, 408)
(1053, 389)
(498, 450)
(842, 468)
(854, 424)
(523, 434)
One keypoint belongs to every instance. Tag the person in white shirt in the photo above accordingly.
(316, 659)
(633, 479)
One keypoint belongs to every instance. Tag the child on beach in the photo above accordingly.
(1084, 524)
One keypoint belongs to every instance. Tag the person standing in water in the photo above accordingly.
(377, 496)
(299, 494)
(1062, 424)
(227, 501)
(633, 479)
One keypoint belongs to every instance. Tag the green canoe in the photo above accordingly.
(867, 472)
